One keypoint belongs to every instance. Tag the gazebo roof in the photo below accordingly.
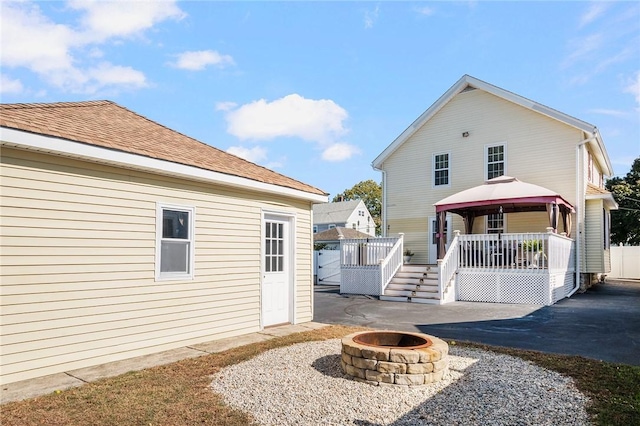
(503, 191)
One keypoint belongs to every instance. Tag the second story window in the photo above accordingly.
(495, 156)
(441, 169)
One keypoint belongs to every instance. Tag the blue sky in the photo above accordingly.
(316, 90)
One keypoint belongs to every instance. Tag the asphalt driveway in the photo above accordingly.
(603, 323)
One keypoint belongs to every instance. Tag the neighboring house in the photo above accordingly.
(346, 214)
(122, 237)
(330, 239)
(477, 132)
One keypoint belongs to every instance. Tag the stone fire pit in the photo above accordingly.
(394, 358)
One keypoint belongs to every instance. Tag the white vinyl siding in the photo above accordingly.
(594, 240)
(78, 263)
(540, 151)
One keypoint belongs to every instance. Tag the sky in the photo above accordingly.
(317, 90)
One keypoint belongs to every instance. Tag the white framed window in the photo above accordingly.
(495, 223)
(441, 169)
(315, 229)
(174, 242)
(332, 226)
(495, 160)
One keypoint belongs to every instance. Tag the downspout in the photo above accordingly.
(579, 211)
(383, 209)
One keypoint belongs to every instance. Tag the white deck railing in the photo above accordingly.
(448, 266)
(367, 265)
(527, 251)
(390, 265)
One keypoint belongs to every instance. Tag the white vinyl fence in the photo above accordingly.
(327, 267)
(625, 262)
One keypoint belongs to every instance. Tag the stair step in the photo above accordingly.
(414, 280)
(426, 301)
(409, 293)
(393, 299)
(412, 287)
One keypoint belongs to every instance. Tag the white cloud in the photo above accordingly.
(339, 152)
(225, 106)
(318, 121)
(107, 74)
(255, 154)
(425, 10)
(9, 85)
(582, 48)
(633, 87)
(371, 16)
(122, 18)
(610, 112)
(31, 40)
(593, 13)
(199, 60)
(67, 57)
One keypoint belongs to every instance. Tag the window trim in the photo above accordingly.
(486, 159)
(500, 230)
(175, 276)
(433, 169)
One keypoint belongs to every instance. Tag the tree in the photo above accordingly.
(370, 193)
(625, 222)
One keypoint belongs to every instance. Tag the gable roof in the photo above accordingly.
(108, 125)
(468, 82)
(334, 234)
(334, 212)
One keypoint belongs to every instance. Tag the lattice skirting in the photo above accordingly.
(521, 288)
(360, 281)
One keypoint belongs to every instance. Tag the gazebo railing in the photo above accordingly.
(521, 251)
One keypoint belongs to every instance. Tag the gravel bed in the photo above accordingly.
(303, 384)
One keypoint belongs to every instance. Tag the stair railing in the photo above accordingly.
(391, 263)
(447, 266)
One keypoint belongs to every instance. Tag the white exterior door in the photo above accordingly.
(433, 247)
(276, 267)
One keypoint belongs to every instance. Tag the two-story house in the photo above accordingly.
(476, 132)
(351, 214)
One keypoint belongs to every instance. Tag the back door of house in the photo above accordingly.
(276, 271)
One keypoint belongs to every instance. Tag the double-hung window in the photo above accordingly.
(495, 161)
(441, 169)
(174, 242)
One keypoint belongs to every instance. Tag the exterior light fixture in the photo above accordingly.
(465, 134)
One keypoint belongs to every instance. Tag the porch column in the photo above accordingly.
(441, 236)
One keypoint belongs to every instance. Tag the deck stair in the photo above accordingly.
(414, 283)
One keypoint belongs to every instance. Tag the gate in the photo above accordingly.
(328, 267)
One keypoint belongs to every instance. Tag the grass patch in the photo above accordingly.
(614, 389)
(179, 393)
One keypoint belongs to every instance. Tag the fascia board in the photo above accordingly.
(606, 198)
(66, 148)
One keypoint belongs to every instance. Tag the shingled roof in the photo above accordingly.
(109, 125)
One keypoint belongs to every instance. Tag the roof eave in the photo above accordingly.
(21, 139)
